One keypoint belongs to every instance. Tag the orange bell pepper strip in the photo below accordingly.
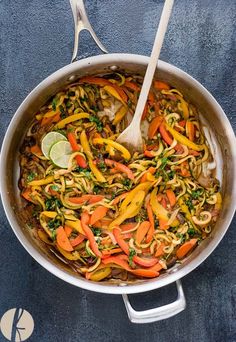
(27, 195)
(154, 126)
(131, 85)
(184, 167)
(36, 149)
(107, 253)
(88, 232)
(103, 83)
(121, 167)
(125, 247)
(160, 250)
(146, 273)
(163, 224)
(159, 85)
(62, 240)
(75, 147)
(91, 199)
(76, 241)
(98, 214)
(151, 170)
(142, 231)
(128, 226)
(68, 230)
(190, 129)
(185, 248)
(145, 112)
(151, 220)
(171, 197)
(165, 134)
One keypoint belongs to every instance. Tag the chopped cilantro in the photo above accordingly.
(86, 172)
(191, 232)
(102, 166)
(132, 253)
(53, 224)
(97, 231)
(197, 193)
(97, 121)
(54, 104)
(127, 183)
(163, 163)
(55, 187)
(189, 204)
(54, 235)
(62, 111)
(31, 176)
(52, 203)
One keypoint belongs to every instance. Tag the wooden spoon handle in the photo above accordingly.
(153, 61)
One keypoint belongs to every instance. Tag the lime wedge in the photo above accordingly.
(60, 154)
(49, 140)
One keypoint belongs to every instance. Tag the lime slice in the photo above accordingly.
(60, 154)
(49, 140)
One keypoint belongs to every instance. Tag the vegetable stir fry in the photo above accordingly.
(106, 213)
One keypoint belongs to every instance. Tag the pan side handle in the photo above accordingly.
(81, 22)
(157, 314)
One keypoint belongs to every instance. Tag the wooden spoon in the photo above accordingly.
(131, 137)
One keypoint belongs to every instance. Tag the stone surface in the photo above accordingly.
(36, 39)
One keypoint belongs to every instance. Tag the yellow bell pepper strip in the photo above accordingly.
(43, 222)
(184, 106)
(75, 117)
(76, 225)
(120, 114)
(125, 153)
(131, 210)
(160, 212)
(100, 274)
(70, 256)
(44, 237)
(85, 144)
(130, 196)
(43, 181)
(185, 210)
(110, 90)
(183, 140)
(218, 201)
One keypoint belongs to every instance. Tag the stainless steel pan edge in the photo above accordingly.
(219, 124)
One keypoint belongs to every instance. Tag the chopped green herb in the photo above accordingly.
(31, 176)
(189, 204)
(83, 99)
(52, 203)
(62, 111)
(97, 231)
(54, 104)
(102, 166)
(191, 232)
(54, 235)
(197, 193)
(55, 187)
(163, 163)
(86, 172)
(97, 121)
(127, 183)
(53, 224)
(132, 253)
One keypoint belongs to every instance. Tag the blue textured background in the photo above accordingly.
(36, 38)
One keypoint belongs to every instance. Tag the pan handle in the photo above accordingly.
(82, 23)
(157, 314)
